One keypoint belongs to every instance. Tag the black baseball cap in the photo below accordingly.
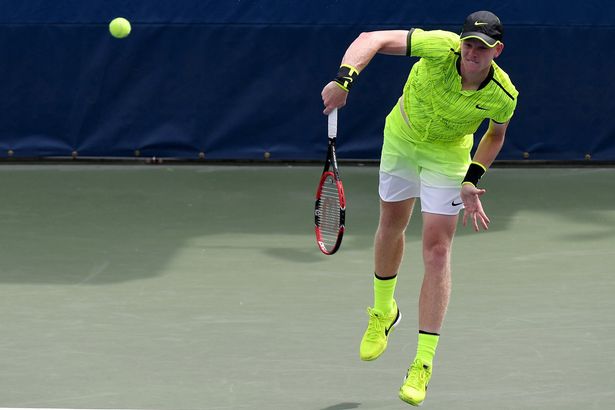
(485, 26)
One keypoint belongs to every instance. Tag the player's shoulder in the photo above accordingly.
(429, 43)
(436, 35)
(504, 83)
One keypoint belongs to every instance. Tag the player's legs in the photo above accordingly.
(399, 185)
(397, 200)
(390, 236)
(440, 206)
(438, 231)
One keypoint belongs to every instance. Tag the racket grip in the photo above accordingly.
(332, 128)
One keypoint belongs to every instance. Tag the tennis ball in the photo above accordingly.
(119, 27)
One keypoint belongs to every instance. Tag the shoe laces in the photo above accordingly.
(374, 327)
(418, 375)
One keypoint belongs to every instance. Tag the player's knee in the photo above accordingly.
(437, 255)
(388, 232)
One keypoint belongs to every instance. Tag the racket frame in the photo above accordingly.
(331, 170)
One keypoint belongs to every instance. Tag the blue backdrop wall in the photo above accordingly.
(235, 79)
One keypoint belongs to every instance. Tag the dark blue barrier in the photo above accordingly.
(237, 79)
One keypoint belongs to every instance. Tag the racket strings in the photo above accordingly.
(329, 208)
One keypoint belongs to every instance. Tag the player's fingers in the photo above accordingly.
(474, 221)
(485, 222)
(486, 218)
(329, 107)
(465, 217)
(326, 102)
(482, 213)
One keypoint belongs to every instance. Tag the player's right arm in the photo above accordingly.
(358, 55)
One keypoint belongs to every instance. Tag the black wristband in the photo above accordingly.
(475, 171)
(346, 76)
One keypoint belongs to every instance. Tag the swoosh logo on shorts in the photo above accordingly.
(454, 204)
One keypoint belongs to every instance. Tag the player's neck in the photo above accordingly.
(472, 81)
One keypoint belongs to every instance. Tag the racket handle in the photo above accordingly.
(332, 120)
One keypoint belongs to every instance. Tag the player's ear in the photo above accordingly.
(498, 49)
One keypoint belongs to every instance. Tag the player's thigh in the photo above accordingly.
(438, 230)
(394, 216)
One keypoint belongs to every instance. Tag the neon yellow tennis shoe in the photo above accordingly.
(414, 389)
(380, 325)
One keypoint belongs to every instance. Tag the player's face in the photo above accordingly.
(476, 56)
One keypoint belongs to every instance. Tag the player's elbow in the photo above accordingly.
(372, 40)
(366, 36)
(496, 137)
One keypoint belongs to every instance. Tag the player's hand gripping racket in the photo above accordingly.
(330, 209)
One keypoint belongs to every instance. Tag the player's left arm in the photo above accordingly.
(488, 149)
(491, 143)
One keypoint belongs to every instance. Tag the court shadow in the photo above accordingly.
(294, 254)
(342, 406)
(98, 225)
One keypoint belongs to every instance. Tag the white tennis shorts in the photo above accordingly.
(442, 200)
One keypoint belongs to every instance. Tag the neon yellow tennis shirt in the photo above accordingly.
(438, 109)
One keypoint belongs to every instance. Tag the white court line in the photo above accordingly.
(57, 408)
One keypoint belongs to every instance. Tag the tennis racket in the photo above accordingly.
(330, 208)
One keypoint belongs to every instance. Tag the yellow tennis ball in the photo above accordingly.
(119, 27)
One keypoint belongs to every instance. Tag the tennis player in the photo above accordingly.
(428, 136)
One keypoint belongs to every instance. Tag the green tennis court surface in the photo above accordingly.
(201, 287)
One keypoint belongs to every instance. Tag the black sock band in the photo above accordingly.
(422, 332)
(383, 278)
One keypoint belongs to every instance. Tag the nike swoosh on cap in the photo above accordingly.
(478, 23)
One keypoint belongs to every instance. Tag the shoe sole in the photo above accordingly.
(393, 326)
(410, 401)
